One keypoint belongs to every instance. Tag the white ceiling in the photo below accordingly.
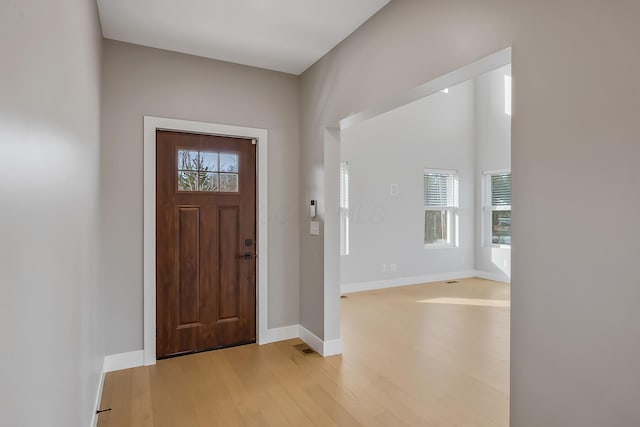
(281, 35)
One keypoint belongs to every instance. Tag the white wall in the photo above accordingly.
(139, 81)
(575, 322)
(51, 351)
(493, 152)
(436, 132)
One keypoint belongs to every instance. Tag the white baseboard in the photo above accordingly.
(332, 347)
(116, 362)
(314, 342)
(324, 348)
(280, 334)
(498, 277)
(404, 281)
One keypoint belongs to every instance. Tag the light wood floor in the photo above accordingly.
(426, 355)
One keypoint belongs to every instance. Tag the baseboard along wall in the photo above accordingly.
(417, 280)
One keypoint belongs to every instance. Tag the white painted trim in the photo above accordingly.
(404, 281)
(151, 124)
(281, 334)
(314, 342)
(96, 406)
(484, 65)
(332, 347)
(110, 363)
(324, 348)
(117, 362)
(498, 277)
(331, 216)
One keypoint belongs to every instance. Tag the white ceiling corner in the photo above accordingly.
(280, 35)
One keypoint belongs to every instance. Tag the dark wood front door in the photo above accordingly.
(205, 242)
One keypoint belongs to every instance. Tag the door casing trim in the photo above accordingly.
(151, 124)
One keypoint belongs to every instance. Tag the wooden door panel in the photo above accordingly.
(205, 289)
(188, 262)
(229, 276)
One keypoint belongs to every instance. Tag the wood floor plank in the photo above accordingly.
(141, 407)
(427, 355)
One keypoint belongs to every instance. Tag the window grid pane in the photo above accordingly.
(501, 227)
(229, 182)
(436, 227)
(201, 171)
(187, 181)
(208, 181)
(187, 160)
(228, 162)
(208, 162)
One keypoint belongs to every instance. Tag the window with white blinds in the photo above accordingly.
(440, 189)
(501, 189)
(440, 205)
(498, 208)
(344, 208)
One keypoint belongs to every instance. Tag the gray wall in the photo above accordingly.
(50, 330)
(493, 152)
(575, 288)
(436, 132)
(139, 81)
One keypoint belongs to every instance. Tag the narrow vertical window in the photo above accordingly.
(440, 207)
(498, 207)
(507, 95)
(344, 208)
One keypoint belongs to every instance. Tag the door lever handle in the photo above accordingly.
(248, 255)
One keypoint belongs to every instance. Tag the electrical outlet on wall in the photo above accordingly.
(394, 189)
(393, 267)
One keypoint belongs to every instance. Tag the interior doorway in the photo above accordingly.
(429, 207)
(334, 139)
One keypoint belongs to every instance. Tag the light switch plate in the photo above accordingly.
(394, 189)
(314, 228)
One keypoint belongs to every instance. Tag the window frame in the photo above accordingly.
(488, 209)
(452, 217)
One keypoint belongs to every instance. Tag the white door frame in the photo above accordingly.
(151, 124)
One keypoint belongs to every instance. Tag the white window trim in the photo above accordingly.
(487, 208)
(453, 222)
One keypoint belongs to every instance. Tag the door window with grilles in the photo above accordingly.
(207, 171)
